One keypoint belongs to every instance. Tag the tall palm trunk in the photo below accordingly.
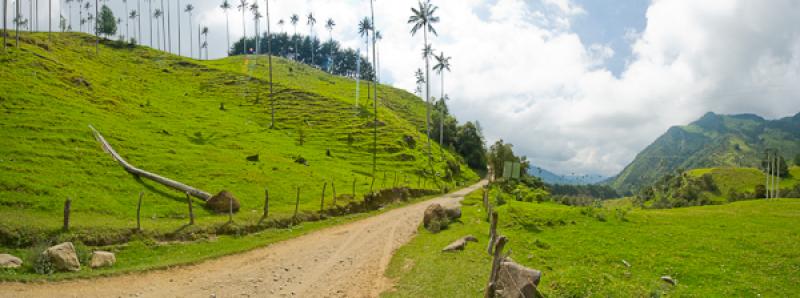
(5, 23)
(139, 21)
(428, 100)
(269, 55)
(16, 17)
(150, 15)
(50, 20)
(441, 119)
(163, 36)
(169, 27)
(369, 87)
(179, 28)
(244, 32)
(227, 32)
(374, 96)
(96, 34)
(191, 38)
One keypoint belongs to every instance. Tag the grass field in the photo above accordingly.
(192, 121)
(742, 249)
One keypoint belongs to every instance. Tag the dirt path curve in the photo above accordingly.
(341, 261)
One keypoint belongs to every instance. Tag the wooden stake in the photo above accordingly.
(322, 199)
(296, 205)
(333, 186)
(139, 213)
(492, 232)
(191, 212)
(266, 204)
(496, 260)
(67, 206)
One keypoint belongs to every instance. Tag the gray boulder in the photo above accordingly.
(9, 261)
(435, 218)
(460, 244)
(517, 281)
(453, 212)
(63, 257)
(103, 259)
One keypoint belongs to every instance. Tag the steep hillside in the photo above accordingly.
(196, 122)
(712, 141)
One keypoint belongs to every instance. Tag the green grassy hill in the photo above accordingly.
(743, 180)
(712, 141)
(164, 114)
(748, 248)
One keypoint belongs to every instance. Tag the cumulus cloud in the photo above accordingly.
(522, 72)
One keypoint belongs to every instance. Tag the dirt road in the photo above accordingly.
(342, 261)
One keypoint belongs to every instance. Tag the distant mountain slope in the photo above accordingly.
(712, 141)
(553, 178)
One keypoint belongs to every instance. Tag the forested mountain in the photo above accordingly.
(712, 141)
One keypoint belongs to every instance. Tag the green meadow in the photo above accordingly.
(742, 249)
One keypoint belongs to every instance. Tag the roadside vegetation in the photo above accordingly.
(747, 248)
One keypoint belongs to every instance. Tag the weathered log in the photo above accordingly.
(141, 173)
(496, 260)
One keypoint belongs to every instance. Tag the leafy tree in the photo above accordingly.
(797, 160)
(329, 25)
(294, 19)
(311, 22)
(256, 17)
(107, 22)
(470, 144)
(424, 18)
(364, 26)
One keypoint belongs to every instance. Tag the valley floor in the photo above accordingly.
(342, 261)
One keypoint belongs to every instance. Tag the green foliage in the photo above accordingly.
(602, 192)
(107, 23)
(712, 141)
(797, 160)
(712, 251)
(768, 165)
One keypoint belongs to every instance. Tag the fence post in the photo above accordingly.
(67, 206)
(139, 212)
(191, 212)
(333, 187)
(296, 206)
(354, 188)
(492, 232)
(266, 206)
(230, 209)
(496, 260)
(322, 200)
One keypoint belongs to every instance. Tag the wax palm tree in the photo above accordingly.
(226, 6)
(204, 32)
(157, 15)
(424, 18)
(329, 25)
(374, 95)
(269, 55)
(178, 6)
(69, 13)
(163, 28)
(311, 22)
(150, 14)
(294, 19)
(378, 38)
(442, 65)
(5, 24)
(281, 23)
(133, 15)
(127, 28)
(256, 17)
(363, 29)
(243, 7)
(420, 80)
(189, 9)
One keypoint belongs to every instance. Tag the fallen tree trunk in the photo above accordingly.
(141, 173)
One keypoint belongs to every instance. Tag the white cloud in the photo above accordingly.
(520, 70)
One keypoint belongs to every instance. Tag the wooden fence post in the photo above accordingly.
(266, 205)
(485, 199)
(333, 187)
(322, 200)
(496, 260)
(191, 212)
(296, 206)
(67, 207)
(492, 232)
(372, 184)
(354, 188)
(139, 213)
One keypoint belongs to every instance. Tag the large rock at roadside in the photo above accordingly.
(453, 212)
(460, 244)
(103, 259)
(221, 203)
(435, 218)
(517, 281)
(63, 257)
(9, 261)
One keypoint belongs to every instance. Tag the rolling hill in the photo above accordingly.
(204, 123)
(712, 141)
